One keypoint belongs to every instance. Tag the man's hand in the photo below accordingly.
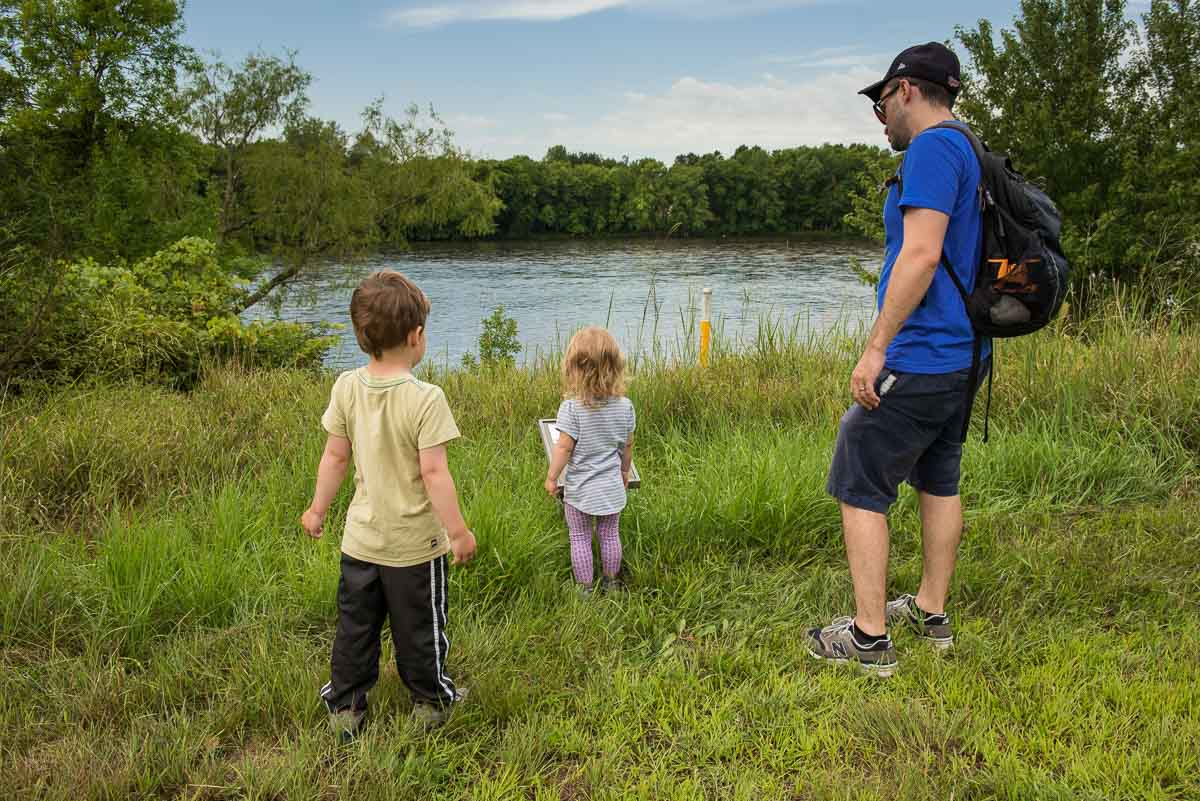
(462, 546)
(862, 380)
(312, 523)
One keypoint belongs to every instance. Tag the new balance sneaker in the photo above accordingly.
(347, 723)
(835, 643)
(932, 628)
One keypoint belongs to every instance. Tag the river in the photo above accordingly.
(645, 291)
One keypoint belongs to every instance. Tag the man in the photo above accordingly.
(910, 386)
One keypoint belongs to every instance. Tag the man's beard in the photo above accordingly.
(899, 140)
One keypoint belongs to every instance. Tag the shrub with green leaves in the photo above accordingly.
(498, 343)
(158, 320)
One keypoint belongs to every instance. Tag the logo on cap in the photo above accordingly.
(952, 82)
(901, 66)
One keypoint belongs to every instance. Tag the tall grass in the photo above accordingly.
(164, 625)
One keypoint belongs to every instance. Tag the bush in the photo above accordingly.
(157, 320)
(498, 343)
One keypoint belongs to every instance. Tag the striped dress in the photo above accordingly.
(593, 477)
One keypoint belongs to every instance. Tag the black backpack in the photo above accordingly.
(1023, 274)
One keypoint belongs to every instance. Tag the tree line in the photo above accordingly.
(750, 192)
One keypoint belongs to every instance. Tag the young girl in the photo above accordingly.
(595, 444)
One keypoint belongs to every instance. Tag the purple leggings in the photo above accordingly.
(579, 527)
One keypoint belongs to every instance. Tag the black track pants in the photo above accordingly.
(414, 598)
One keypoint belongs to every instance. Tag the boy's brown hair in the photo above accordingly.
(385, 308)
(593, 369)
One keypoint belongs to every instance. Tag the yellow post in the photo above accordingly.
(705, 327)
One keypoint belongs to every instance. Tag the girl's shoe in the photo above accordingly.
(585, 590)
(612, 585)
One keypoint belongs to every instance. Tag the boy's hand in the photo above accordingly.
(625, 477)
(463, 547)
(312, 523)
(551, 487)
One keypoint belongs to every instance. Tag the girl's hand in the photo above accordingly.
(312, 523)
(551, 487)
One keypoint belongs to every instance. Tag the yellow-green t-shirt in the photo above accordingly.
(388, 421)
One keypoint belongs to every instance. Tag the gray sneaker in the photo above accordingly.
(835, 643)
(347, 723)
(612, 585)
(431, 716)
(932, 628)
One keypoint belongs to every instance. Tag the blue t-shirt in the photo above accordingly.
(940, 172)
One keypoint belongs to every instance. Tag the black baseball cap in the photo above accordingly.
(931, 62)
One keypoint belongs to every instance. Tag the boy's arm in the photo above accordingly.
(435, 472)
(558, 460)
(331, 472)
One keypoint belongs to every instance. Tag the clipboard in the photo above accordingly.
(549, 432)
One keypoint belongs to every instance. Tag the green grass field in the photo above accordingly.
(165, 624)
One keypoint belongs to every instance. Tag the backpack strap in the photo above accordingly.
(977, 346)
(958, 125)
(976, 360)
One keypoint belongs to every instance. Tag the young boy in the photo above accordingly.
(404, 517)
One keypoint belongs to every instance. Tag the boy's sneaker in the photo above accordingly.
(431, 716)
(835, 643)
(585, 591)
(612, 585)
(933, 628)
(347, 724)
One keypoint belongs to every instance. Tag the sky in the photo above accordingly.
(617, 77)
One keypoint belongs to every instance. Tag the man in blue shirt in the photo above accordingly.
(910, 386)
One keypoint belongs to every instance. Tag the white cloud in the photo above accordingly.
(473, 10)
(450, 11)
(556, 117)
(832, 57)
(464, 121)
(698, 116)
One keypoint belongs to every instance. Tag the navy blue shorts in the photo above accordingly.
(914, 435)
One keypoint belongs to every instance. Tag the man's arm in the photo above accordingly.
(331, 472)
(924, 233)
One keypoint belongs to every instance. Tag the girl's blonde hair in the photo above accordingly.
(593, 368)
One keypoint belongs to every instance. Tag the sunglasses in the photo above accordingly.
(877, 106)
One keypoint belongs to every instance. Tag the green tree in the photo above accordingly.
(423, 185)
(88, 89)
(1050, 92)
(74, 69)
(231, 109)
(1161, 140)
(305, 204)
